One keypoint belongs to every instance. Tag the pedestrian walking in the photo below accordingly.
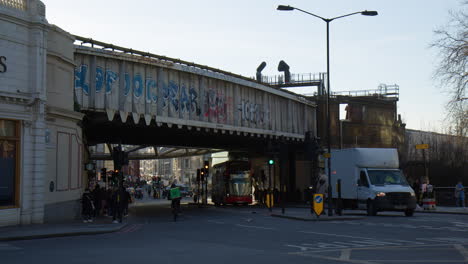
(97, 200)
(460, 195)
(117, 205)
(87, 206)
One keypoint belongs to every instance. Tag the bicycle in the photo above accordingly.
(175, 205)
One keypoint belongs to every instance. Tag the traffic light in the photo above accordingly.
(271, 162)
(202, 174)
(198, 175)
(206, 165)
(104, 174)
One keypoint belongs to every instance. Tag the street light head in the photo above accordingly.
(369, 13)
(285, 8)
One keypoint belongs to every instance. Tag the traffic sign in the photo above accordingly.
(318, 204)
(422, 146)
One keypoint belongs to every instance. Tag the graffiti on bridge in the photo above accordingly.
(252, 112)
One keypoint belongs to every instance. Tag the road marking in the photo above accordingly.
(312, 252)
(6, 247)
(460, 227)
(462, 251)
(336, 235)
(257, 227)
(131, 228)
(345, 254)
(216, 222)
(460, 224)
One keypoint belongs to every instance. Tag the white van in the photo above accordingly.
(371, 180)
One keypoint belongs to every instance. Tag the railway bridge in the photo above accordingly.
(134, 97)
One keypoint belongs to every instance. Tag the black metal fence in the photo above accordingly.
(445, 196)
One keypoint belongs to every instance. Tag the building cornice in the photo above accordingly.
(64, 113)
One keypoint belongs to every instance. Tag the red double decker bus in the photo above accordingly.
(232, 183)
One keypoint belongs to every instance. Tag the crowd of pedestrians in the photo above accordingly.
(112, 202)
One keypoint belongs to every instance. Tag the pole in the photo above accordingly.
(269, 187)
(330, 211)
(206, 187)
(198, 188)
(426, 174)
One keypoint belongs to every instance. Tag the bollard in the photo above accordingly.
(339, 204)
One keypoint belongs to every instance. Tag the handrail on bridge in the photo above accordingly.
(386, 91)
(17, 4)
(159, 57)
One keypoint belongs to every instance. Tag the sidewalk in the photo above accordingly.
(303, 212)
(444, 210)
(74, 228)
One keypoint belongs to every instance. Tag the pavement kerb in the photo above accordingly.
(440, 212)
(64, 234)
(340, 218)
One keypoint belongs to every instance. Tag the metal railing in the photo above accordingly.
(89, 42)
(445, 196)
(384, 91)
(17, 4)
(296, 78)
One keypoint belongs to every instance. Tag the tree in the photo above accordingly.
(452, 44)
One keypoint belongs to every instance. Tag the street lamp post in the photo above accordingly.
(328, 20)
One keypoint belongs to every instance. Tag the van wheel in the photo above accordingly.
(371, 210)
(409, 212)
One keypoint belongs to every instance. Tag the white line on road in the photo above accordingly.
(462, 251)
(336, 235)
(216, 222)
(5, 247)
(258, 227)
(345, 254)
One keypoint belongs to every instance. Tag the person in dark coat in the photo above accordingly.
(87, 206)
(120, 201)
(97, 195)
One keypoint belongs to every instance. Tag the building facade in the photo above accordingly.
(41, 157)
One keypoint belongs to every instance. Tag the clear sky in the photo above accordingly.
(236, 36)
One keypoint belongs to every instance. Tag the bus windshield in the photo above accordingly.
(385, 177)
(240, 184)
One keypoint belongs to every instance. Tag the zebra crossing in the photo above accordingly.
(456, 226)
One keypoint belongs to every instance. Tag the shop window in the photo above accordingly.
(9, 172)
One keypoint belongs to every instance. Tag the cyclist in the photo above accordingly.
(174, 195)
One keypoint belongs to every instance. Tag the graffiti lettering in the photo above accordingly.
(127, 85)
(137, 85)
(111, 77)
(184, 100)
(254, 113)
(193, 95)
(172, 96)
(3, 66)
(150, 95)
(215, 106)
(80, 78)
(99, 79)
(188, 101)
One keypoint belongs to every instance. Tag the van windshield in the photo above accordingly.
(384, 177)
